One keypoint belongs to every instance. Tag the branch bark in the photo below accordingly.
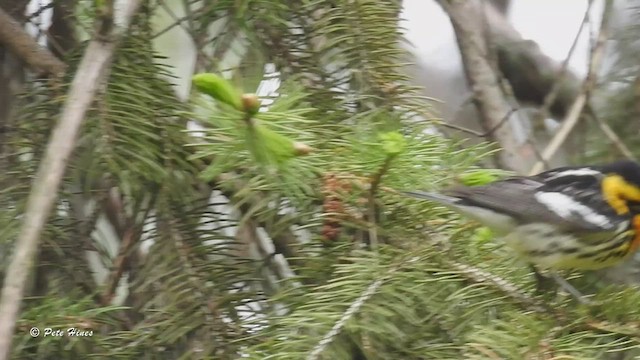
(284, 240)
(62, 36)
(575, 112)
(531, 80)
(19, 42)
(91, 73)
(483, 80)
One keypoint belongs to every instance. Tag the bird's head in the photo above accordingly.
(621, 186)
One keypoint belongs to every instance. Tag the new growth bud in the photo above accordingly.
(250, 103)
(301, 148)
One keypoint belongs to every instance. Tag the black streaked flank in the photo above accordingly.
(612, 255)
(551, 251)
(612, 246)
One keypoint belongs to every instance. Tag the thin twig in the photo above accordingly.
(337, 327)
(483, 277)
(40, 11)
(615, 139)
(575, 111)
(555, 90)
(550, 97)
(197, 281)
(284, 239)
(128, 240)
(91, 73)
(178, 21)
(561, 135)
(130, 233)
(485, 134)
(483, 80)
(354, 308)
(373, 189)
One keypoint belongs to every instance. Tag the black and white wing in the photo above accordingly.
(569, 198)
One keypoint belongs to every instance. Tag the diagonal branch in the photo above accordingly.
(91, 73)
(614, 138)
(483, 80)
(284, 240)
(20, 43)
(575, 112)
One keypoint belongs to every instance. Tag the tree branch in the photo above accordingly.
(614, 138)
(483, 80)
(21, 44)
(559, 86)
(91, 73)
(129, 239)
(575, 112)
(284, 240)
(61, 35)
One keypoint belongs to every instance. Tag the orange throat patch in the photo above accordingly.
(635, 226)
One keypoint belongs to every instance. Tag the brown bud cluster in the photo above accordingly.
(334, 190)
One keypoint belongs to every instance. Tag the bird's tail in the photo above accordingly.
(442, 199)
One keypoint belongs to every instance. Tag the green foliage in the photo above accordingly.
(392, 143)
(262, 147)
(480, 177)
(63, 313)
(218, 88)
(222, 239)
(267, 146)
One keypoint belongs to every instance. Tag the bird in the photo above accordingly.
(567, 218)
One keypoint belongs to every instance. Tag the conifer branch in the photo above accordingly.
(480, 276)
(371, 200)
(91, 73)
(337, 327)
